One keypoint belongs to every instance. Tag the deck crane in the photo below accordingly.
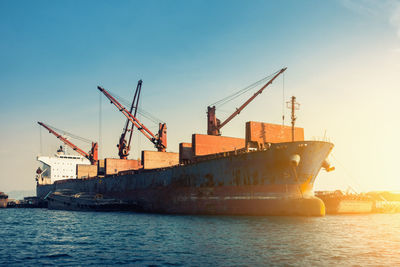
(92, 155)
(124, 146)
(159, 140)
(214, 125)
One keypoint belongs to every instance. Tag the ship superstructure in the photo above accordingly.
(61, 166)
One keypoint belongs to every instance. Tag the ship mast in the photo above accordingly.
(293, 105)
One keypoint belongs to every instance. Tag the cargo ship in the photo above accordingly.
(269, 172)
(3, 200)
(339, 203)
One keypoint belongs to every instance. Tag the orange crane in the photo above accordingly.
(124, 146)
(214, 125)
(159, 140)
(93, 153)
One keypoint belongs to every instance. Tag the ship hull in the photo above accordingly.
(253, 183)
(348, 206)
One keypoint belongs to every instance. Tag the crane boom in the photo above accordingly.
(214, 125)
(93, 153)
(123, 145)
(136, 97)
(160, 141)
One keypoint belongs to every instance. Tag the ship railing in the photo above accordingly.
(321, 139)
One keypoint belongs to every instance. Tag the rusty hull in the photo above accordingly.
(249, 183)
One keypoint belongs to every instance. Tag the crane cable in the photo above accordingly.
(141, 111)
(283, 100)
(70, 134)
(347, 173)
(100, 124)
(40, 136)
(229, 98)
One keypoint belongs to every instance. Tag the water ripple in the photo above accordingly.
(42, 237)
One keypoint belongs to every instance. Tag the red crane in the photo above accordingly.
(159, 140)
(214, 125)
(93, 153)
(123, 145)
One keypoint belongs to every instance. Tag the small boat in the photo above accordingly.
(83, 201)
(339, 203)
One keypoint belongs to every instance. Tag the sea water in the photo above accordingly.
(35, 237)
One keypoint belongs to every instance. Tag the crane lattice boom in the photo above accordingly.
(214, 125)
(93, 153)
(124, 146)
(159, 140)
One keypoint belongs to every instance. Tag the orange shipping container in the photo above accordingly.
(85, 171)
(156, 159)
(260, 133)
(211, 144)
(113, 166)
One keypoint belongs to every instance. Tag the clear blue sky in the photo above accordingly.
(189, 54)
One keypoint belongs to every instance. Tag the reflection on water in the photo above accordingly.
(36, 236)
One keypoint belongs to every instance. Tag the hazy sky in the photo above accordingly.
(343, 60)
